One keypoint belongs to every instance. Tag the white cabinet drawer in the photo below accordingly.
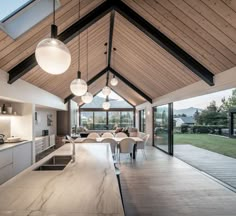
(5, 157)
(6, 173)
(21, 157)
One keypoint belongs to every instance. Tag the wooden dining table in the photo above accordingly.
(117, 139)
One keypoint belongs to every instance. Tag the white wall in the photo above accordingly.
(148, 109)
(223, 81)
(25, 92)
(41, 124)
(22, 126)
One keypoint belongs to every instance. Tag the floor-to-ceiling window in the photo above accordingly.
(162, 128)
(142, 121)
(120, 114)
(204, 129)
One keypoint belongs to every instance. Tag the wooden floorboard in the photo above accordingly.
(166, 186)
(214, 164)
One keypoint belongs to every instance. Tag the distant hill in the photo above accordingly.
(189, 111)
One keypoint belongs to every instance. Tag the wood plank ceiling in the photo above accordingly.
(206, 29)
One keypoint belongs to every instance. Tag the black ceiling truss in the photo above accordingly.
(165, 42)
(123, 79)
(112, 20)
(99, 12)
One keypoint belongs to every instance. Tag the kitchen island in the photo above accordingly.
(86, 187)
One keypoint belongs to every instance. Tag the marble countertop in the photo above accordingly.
(86, 187)
(12, 145)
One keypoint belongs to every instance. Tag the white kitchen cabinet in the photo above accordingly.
(44, 143)
(22, 157)
(6, 173)
(52, 140)
(14, 160)
(6, 157)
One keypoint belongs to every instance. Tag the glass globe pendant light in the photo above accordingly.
(106, 104)
(106, 91)
(51, 54)
(78, 86)
(87, 97)
(114, 81)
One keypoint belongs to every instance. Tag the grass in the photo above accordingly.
(221, 145)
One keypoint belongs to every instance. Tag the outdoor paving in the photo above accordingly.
(214, 164)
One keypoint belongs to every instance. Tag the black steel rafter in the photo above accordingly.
(92, 80)
(164, 42)
(112, 20)
(131, 85)
(66, 36)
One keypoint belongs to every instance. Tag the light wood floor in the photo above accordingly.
(165, 186)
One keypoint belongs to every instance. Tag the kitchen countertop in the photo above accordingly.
(12, 145)
(87, 187)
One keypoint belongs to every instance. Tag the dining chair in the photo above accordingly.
(89, 140)
(126, 146)
(121, 134)
(113, 145)
(107, 135)
(93, 135)
(142, 145)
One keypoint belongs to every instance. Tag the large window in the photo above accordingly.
(100, 122)
(86, 119)
(142, 121)
(93, 116)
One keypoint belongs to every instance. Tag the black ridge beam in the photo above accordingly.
(112, 20)
(71, 32)
(132, 86)
(165, 42)
(92, 80)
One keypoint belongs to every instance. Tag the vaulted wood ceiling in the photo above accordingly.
(205, 29)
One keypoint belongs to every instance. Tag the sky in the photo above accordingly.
(9, 6)
(113, 95)
(203, 101)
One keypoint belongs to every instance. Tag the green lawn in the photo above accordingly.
(221, 145)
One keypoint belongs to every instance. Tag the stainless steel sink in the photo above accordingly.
(58, 162)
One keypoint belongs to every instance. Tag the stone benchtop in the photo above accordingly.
(86, 187)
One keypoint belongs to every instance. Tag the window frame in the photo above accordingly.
(142, 120)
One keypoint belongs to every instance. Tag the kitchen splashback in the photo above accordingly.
(5, 126)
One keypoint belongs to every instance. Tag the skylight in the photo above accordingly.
(9, 8)
(18, 16)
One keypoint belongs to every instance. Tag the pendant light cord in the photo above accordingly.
(87, 56)
(54, 12)
(79, 39)
(114, 50)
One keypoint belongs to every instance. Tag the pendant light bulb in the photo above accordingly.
(114, 81)
(87, 97)
(106, 105)
(53, 56)
(106, 91)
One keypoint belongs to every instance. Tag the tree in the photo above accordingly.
(212, 115)
(230, 103)
(196, 116)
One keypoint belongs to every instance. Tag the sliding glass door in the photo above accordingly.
(163, 128)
